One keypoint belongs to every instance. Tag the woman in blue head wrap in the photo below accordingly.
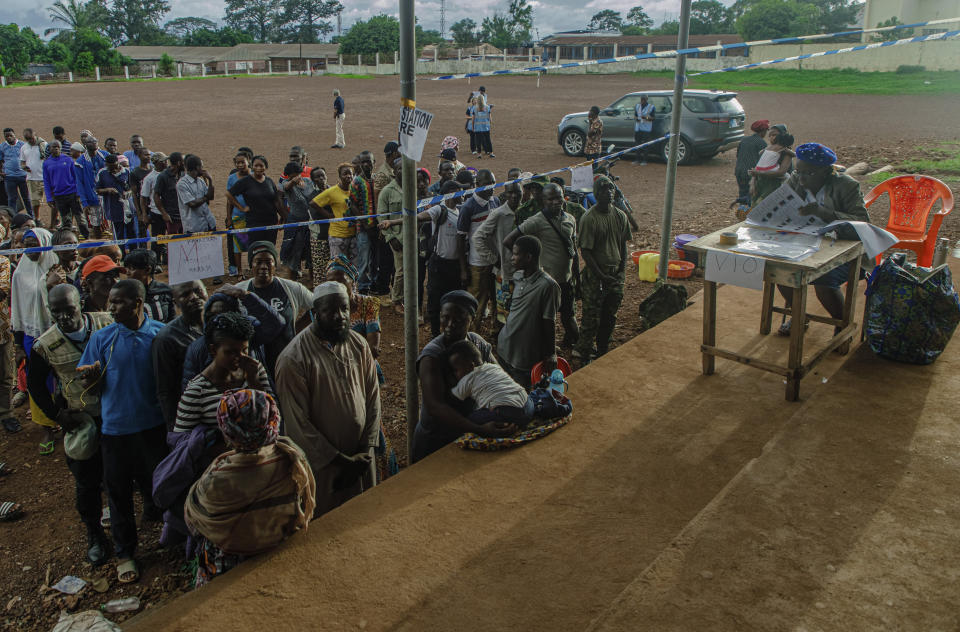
(830, 197)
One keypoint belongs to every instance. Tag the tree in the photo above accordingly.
(638, 19)
(136, 22)
(306, 20)
(521, 21)
(100, 48)
(496, 30)
(260, 18)
(75, 15)
(669, 27)
(183, 27)
(888, 36)
(225, 36)
(606, 20)
(167, 65)
(709, 16)
(832, 15)
(427, 38)
(379, 34)
(14, 51)
(768, 19)
(465, 33)
(83, 65)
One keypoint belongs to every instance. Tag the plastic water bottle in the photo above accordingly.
(556, 381)
(940, 252)
(122, 605)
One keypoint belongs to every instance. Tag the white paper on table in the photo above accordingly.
(582, 178)
(723, 266)
(781, 211)
(772, 243)
(875, 239)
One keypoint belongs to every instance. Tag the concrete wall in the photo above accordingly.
(935, 55)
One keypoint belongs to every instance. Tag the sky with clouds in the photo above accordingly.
(549, 15)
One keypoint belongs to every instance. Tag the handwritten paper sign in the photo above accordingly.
(414, 125)
(195, 259)
(734, 269)
(582, 178)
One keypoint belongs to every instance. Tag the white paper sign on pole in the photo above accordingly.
(195, 259)
(414, 125)
(727, 267)
(582, 178)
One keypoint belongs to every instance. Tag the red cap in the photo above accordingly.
(100, 263)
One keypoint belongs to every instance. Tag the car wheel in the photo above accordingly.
(685, 154)
(572, 142)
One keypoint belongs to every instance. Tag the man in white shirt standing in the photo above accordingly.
(148, 206)
(643, 115)
(31, 160)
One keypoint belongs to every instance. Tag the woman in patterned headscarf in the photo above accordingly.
(253, 497)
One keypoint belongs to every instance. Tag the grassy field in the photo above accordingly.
(827, 81)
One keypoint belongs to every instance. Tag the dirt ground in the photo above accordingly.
(212, 118)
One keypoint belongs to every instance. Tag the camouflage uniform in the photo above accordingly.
(527, 210)
(603, 234)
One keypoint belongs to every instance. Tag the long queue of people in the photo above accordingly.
(188, 398)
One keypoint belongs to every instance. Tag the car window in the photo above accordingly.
(697, 105)
(729, 105)
(627, 103)
(663, 104)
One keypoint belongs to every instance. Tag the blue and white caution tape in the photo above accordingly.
(428, 202)
(908, 40)
(424, 203)
(694, 50)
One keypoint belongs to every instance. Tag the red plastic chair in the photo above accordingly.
(911, 200)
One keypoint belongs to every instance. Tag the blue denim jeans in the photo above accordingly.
(16, 187)
(363, 262)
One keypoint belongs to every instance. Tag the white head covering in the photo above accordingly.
(28, 293)
(330, 287)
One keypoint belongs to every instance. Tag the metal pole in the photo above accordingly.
(408, 96)
(678, 80)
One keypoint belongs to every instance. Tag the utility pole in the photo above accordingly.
(408, 99)
(679, 77)
(443, 17)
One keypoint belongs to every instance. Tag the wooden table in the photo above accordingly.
(796, 275)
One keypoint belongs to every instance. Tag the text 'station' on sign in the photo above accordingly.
(728, 267)
(414, 125)
(195, 259)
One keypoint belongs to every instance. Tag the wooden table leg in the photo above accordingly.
(709, 324)
(798, 318)
(766, 312)
(850, 300)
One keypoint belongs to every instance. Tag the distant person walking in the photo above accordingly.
(748, 154)
(338, 116)
(594, 134)
(481, 128)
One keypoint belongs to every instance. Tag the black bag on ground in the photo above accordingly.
(911, 311)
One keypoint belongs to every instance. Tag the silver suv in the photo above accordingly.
(710, 120)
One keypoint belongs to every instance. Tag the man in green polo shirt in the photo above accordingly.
(604, 232)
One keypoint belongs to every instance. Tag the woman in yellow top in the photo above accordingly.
(343, 235)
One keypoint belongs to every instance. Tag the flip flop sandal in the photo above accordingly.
(125, 568)
(46, 448)
(12, 425)
(784, 329)
(10, 511)
(4, 470)
(105, 518)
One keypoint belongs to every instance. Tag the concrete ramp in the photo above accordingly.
(604, 523)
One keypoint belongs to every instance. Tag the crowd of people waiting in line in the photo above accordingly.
(240, 415)
(188, 397)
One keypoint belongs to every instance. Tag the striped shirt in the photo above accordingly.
(200, 400)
